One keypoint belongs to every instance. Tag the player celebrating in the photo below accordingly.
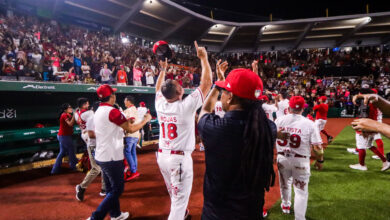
(377, 136)
(177, 133)
(321, 116)
(364, 140)
(281, 103)
(268, 107)
(294, 156)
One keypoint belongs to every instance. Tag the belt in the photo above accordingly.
(178, 152)
(295, 155)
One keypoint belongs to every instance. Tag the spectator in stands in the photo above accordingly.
(67, 63)
(137, 74)
(121, 77)
(85, 69)
(69, 77)
(36, 59)
(89, 80)
(77, 65)
(105, 73)
(55, 63)
(149, 77)
(9, 66)
(65, 138)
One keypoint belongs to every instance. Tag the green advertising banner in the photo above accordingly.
(63, 87)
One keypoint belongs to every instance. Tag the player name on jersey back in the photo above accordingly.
(303, 134)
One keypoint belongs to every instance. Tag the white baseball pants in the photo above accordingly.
(177, 171)
(296, 171)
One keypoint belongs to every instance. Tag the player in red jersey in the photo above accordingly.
(321, 116)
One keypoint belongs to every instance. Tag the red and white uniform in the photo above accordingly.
(218, 109)
(269, 110)
(294, 160)
(176, 143)
(282, 108)
(379, 118)
(365, 142)
(321, 115)
(81, 117)
(109, 134)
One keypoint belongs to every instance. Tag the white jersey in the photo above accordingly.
(177, 121)
(282, 108)
(269, 110)
(90, 126)
(218, 109)
(303, 134)
(81, 118)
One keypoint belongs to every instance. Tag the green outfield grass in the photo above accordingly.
(338, 192)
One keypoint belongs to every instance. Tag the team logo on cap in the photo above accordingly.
(228, 85)
(100, 95)
(257, 93)
(297, 106)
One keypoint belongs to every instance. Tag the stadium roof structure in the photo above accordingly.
(167, 20)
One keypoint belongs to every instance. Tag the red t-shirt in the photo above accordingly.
(322, 111)
(65, 129)
(121, 76)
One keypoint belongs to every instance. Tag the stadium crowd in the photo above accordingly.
(48, 51)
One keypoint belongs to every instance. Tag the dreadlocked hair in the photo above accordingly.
(257, 155)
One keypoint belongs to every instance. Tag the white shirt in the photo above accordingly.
(303, 134)
(109, 135)
(177, 121)
(90, 126)
(218, 109)
(141, 113)
(149, 78)
(282, 108)
(269, 110)
(82, 120)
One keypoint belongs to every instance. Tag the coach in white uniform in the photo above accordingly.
(176, 117)
(109, 126)
(294, 156)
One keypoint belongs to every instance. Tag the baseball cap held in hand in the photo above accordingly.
(243, 83)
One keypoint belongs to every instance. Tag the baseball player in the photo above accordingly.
(364, 140)
(377, 136)
(294, 156)
(268, 107)
(321, 116)
(281, 104)
(177, 133)
(84, 118)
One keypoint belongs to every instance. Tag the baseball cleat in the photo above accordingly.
(352, 151)
(80, 193)
(386, 166)
(132, 176)
(330, 139)
(375, 157)
(265, 213)
(358, 167)
(102, 193)
(123, 216)
(286, 209)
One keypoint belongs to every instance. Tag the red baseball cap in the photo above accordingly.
(375, 91)
(157, 44)
(142, 104)
(104, 91)
(297, 102)
(264, 97)
(323, 98)
(243, 83)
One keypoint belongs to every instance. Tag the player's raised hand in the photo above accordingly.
(255, 66)
(164, 64)
(366, 97)
(221, 69)
(200, 51)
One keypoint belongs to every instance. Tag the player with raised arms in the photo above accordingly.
(177, 133)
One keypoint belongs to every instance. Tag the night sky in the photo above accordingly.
(252, 10)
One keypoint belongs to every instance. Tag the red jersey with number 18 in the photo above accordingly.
(303, 134)
(176, 119)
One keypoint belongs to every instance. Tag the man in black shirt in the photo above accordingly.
(238, 148)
